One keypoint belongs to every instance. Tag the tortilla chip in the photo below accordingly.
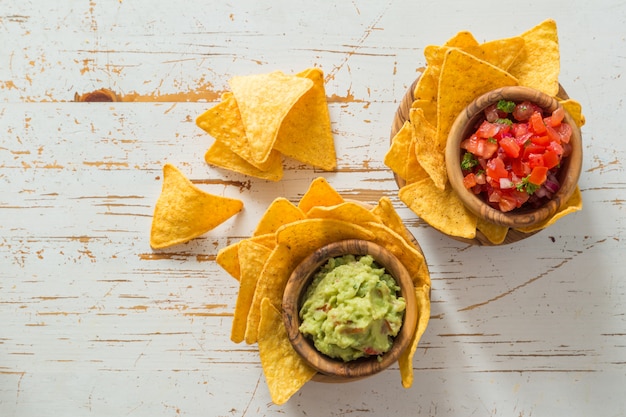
(224, 123)
(320, 193)
(493, 232)
(442, 209)
(252, 257)
(426, 87)
(184, 211)
(405, 361)
(428, 151)
(572, 205)
(388, 216)
(538, 65)
(348, 211)
(228, 257)
(271, 285)
(220, 155)
(413, 168)
(574, 109)
(281, 211)
(285, 371)
(464, 78)
(396, 156)
(264, 101)
(501, 52)
(429, 108)
(305, 134)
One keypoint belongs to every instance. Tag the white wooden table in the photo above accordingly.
(96, 323)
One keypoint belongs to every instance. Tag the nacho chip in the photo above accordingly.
(429, 107)
(264, 101)
(224, 123)
(396, 156)
(464, 78)
(442, 209)
(405, 361)
(348, 211)
(184, 211)
(281, 211)
(501, 52)
(428, 150)
(252, 257)
(572, 205)
(538, 65)
(285, 371)
(222, 156)
(426, 87)
(493, 232)
(320, 193)
(388, 216)
(305, 134)
(228, 257)
(414, 170)
(574, 109)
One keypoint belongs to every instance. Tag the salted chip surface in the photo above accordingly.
(280, 212)
(285, 371)
(264, 100)
(305, 133)
(495, 233)
(319, 193)
(405, 361)
(572, 205)
(442, 209)
(428, 150)
(222, 156)
(396, 156)
(539, 63)
(228, 257)
(183, 211)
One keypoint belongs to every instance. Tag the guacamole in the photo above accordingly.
(352, 308)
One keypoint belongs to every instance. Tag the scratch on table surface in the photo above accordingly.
(512, 290)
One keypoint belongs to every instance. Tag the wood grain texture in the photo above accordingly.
(95, 323)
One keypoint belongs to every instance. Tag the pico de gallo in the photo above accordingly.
(513, 157)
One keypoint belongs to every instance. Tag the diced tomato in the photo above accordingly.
(487, 130)
(510, 146)
(540, 140)
(507, 202)
(551, 159)
(538, 175)
(536, 123)
(520, 168)
(469, 180)
(565, 132)
(496, 169)
(535, 160)
(557, 148)
(557, 117)
(519, 129)
(523, 111)
(532, 149)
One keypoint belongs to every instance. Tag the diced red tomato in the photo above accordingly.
(487, 130)
(551, 159)
(510, 146)
(538, 175)
(557, 117)
(469, 180)
(536, 123)
(496, 169)
(535, 160)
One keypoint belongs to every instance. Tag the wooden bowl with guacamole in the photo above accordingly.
(350, 310)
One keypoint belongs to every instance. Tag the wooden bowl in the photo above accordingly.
(336, 370)
(466, 123)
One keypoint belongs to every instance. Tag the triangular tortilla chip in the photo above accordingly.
(396, 156)
(228, 257)
(221, 156)
(264, 101)
(405, 361)
(464, 78)
(319, 193)
(572, 205)
(285, 370)
(538, 65)
(495, 233)
(442, 209)
(184, 211)
(428, 150)
(281, 211)
(305, 134)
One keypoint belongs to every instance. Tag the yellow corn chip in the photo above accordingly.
(264, 101)
(305, 133)
(388, 216)
(281, 211)
(574, 109)
(442, 209)
(413, 168)
(396, 156)
(285, 371)
(428, 150)
(500, 52)
(184, 211)
(228, 257)
(538, 65)
(348, 211)
(405, 361)
(429, 107)
(464, 78)
(220, 155)
(252, 257)
(495, 233)
(320, 193)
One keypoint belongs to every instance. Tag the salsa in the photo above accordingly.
(512, 159)
(352, 308)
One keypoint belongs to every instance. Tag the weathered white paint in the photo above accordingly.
(95, 323)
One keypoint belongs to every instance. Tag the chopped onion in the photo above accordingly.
(506, 183)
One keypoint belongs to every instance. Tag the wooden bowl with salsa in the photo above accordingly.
(514, 156)
(328, 304)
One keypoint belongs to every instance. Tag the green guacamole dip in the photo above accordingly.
(352, 308)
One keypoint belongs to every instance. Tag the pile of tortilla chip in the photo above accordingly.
(266, 116)
(456, 73)
(183, 211)
(285, 235)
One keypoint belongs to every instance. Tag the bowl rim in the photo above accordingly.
(569, 173)
(296, 286)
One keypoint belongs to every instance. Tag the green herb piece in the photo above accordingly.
(503, 121)
(492, 140)
(506, 106)
(469, 161)
(526, 185)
